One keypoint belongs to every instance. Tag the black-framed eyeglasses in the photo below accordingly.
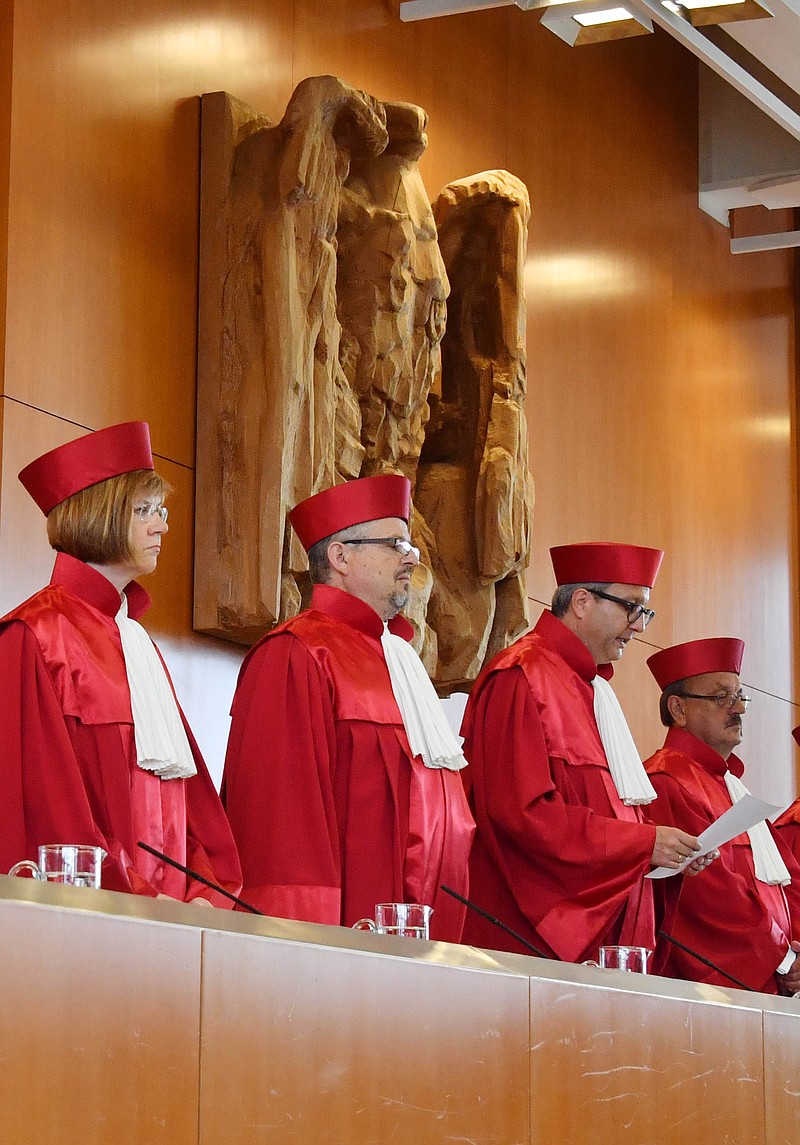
(721, 699)
(401, 546)
(147, 512)
(634, 610)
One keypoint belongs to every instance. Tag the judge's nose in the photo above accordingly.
(637, 625)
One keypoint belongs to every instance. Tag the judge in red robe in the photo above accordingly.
(80, 762)
(561, 846)
(332, 808)
(742, 915)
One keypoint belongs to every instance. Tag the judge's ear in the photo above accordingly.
(338, 557)
(676, 706)
(580, 601)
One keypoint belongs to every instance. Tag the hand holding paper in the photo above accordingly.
(737, 819)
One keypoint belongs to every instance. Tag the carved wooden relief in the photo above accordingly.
(322, 310)
(473, 487)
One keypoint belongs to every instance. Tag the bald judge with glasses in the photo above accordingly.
(341, 778)
(557, 787)
(743, 914)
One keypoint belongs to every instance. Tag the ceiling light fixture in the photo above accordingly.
(698, 13)
(593, 21)
(701, 13)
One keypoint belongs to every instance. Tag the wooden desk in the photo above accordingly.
(127, 1020)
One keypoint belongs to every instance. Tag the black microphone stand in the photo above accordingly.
(195, 875)
(706, 962)
(490, 918)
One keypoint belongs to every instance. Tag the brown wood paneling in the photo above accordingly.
(99, 1033)
(618, 1065)
(26, 559)
(104, 199)
(336, 1046)
(781, 1060)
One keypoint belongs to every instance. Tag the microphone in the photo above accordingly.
(490, 918)
(706, 962)
(200, 878)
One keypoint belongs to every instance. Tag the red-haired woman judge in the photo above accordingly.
(93, 746)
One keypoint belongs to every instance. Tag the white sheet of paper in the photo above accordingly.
(738, 818)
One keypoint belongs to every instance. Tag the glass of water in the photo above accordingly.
(403, 919)
(75, 864)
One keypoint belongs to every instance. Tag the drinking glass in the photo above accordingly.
(403, 919)
(630, 958)
(76, 864)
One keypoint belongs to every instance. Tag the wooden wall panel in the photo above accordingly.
(85, 1062)
(336, 1046)
(781, 1055)
(26, 559)
(104, 198)
(647, 1071)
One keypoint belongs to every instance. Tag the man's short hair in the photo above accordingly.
(563, 595)
(94, 524)
(675, 689)
(319, 567)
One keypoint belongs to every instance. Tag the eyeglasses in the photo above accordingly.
(634, 611)
(721, 699)
(401, 546)
(147, 512)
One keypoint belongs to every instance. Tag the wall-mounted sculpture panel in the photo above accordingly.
(323, 355)
(473, 487)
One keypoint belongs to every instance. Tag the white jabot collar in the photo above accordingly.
(161, 742)
(769, 866)
(429, 734)
(627, 770)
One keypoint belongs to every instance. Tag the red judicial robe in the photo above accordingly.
(330, 810)
(788, 824)
(68, 767)
(558, 857)
(725, 913)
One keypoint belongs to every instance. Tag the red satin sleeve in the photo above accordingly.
(42, 788)
(44, 796)
(210, 847)
(278, 789)
(788, 828)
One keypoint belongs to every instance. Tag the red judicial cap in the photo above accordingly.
(352, 503)
(695, 658)
(108, 452)
(603, 561)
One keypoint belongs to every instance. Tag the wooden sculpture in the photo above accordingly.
(322, 312)
(473, 487)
